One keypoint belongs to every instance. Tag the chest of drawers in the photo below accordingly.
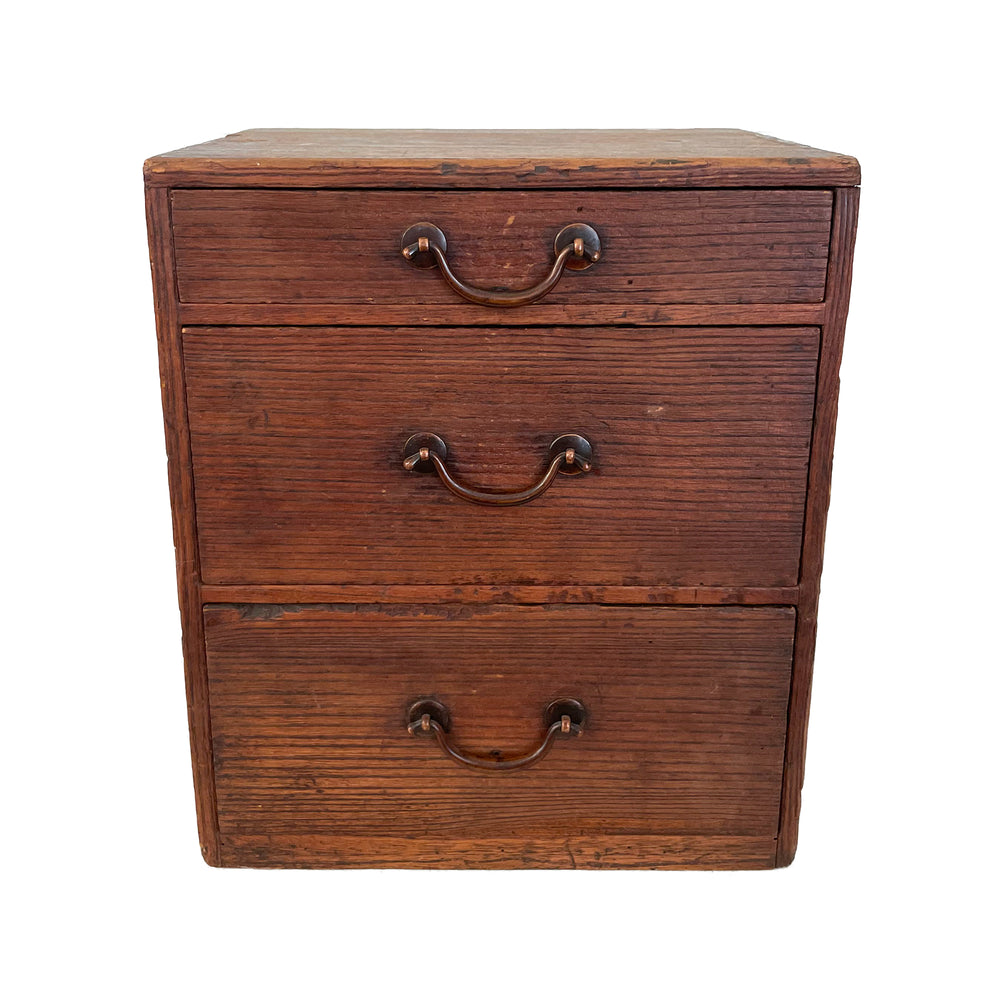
(499, 466)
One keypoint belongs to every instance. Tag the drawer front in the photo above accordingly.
(684, 729)
(658, 247)
(701, 444)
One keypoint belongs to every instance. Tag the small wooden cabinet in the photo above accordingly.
(499, 465)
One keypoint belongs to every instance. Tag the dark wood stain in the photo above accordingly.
(179, 474)
(673, 589)
(605, 851)
(660, 247)
(684, 735)
(395, 593)
(820, 475)
(461, 313)
(701, 441)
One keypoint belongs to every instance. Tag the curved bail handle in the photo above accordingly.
(577, 247)
(563, 717)
(569, 454)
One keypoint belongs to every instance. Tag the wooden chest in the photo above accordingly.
(499, 466)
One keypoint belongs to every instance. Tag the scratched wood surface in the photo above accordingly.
(537, 314)
(820, 481)
(600, 851)
(395, 593)
(700, 495)
(684, 736)
(658, 247)
(582, 158)
(701, 442)
(180, 480)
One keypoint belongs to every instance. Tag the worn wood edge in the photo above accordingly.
(554, 173)
(596, 852)
(660, 146)
(522, 158)
(751, 314)
(844, 228)
(181, 485)
(479, 594)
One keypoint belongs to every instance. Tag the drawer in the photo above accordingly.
(658, 247)
(701, 445)
(682, 735)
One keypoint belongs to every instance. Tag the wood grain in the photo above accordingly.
(179, 475)
(313, 350)
(685, 731)
(658, 247)
(581, 158)
(701, 441)
(590, 852)
(395, 593)
(466, 314)
(820, 479)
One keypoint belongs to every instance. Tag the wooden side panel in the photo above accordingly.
(659, 247)
(845, 223)
(701, 442)
(182, 507)
(684, 737)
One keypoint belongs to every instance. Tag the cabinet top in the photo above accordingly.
(500, 158)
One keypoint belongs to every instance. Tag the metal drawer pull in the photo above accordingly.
(564, 717)
(569, 454)
(577, 247)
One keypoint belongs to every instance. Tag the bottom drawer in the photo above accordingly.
(678, 762)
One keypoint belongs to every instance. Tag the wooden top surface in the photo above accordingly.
(501, 158)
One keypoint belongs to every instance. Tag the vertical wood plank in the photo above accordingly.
(182, 507)
(845, 220)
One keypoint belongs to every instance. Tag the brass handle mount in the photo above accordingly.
(577, 247)
(569, 455)
(564, 717)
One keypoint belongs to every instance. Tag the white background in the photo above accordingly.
(893, 893)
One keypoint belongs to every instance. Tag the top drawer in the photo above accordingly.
(658, 247)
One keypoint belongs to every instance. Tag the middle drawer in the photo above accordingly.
(700, 454)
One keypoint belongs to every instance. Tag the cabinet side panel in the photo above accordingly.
(845, 220)
(182, 507)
